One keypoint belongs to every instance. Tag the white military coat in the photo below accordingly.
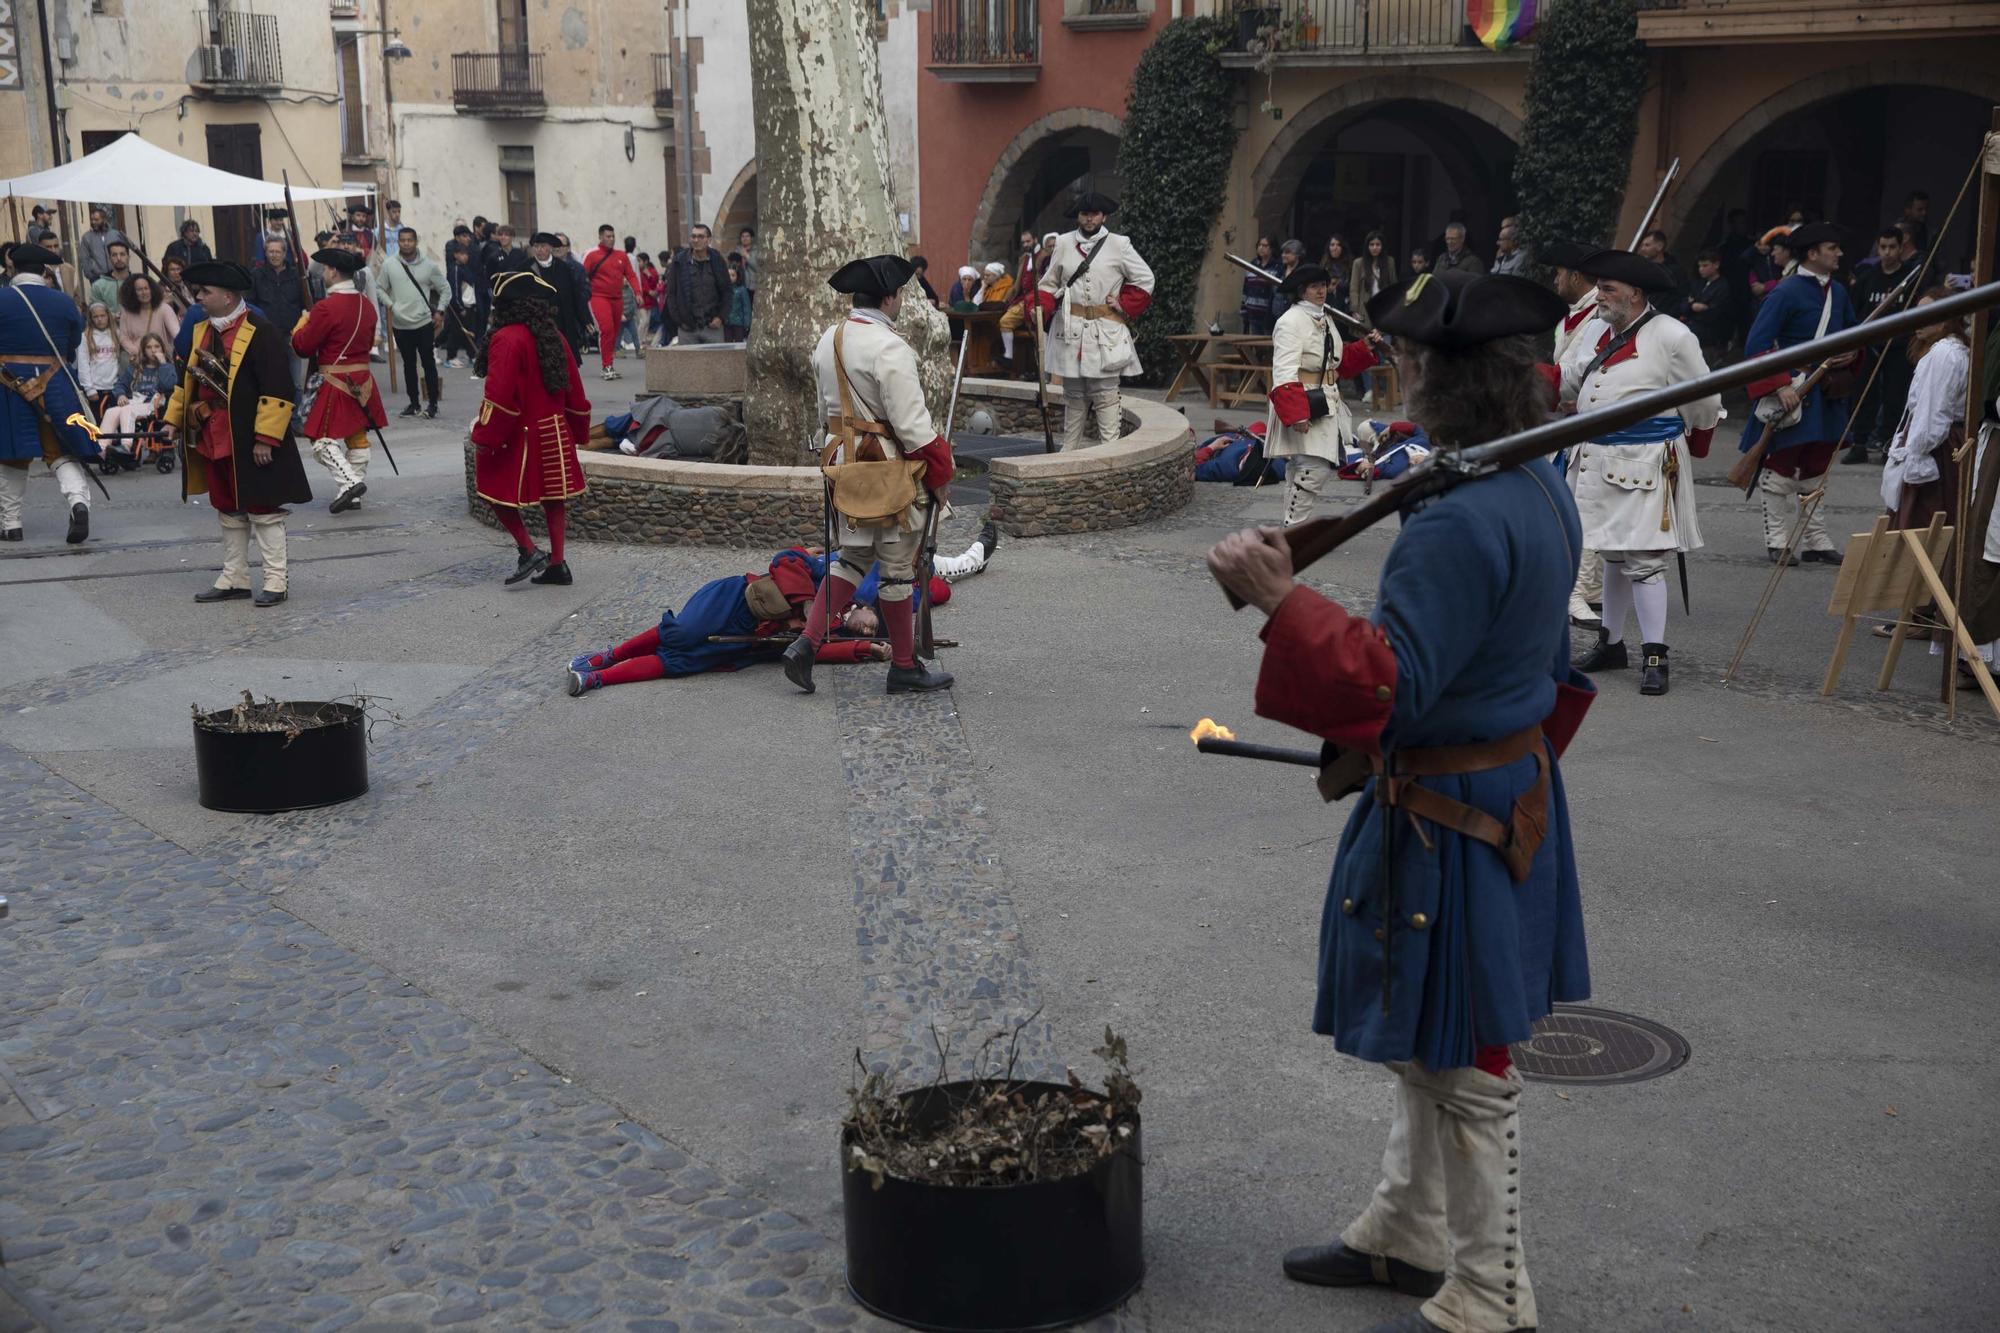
(883, 381)
(1302, 341)
(1090, 347)
(1638, 497)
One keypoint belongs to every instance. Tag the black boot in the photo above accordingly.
(798, 660)
(1653, 680)
(989, 537)
(431, 410)
(918, 679)
(1336, 1265)
(79, 523)
(1775, 554)
(530, 561)
(11, 535)
(558, 574)
(1605, 655)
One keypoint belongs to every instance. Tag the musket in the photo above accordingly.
(42, 410)
(1315, 538)
(785, 637)
(1750, 467)
(1673, 170)
(1041, 370)
(298, 250)
(1249, 267)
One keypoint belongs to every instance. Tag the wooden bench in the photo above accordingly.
(1234, 383)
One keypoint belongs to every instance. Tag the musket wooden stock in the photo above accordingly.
(1313, 539)
(1743, 475)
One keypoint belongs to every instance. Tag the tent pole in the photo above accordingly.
(14, 207)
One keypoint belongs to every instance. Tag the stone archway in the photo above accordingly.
(1699, 194)
(739, 206)
(997, 212)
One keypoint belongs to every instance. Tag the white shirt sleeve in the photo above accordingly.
(1937, 399)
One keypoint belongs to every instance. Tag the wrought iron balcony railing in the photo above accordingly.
(238, 52)
(986, 33)
(497, 82)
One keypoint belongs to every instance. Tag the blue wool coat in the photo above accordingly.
(718, 607)
(1473, 605)
(20, 424)
(1789, 316)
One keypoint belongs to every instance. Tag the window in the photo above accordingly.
(517, 183)
(513, 16)
(353, 110)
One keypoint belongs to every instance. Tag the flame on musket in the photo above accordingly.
(82, 423)
(1209, 729)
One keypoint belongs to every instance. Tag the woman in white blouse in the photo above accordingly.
(1920, 478)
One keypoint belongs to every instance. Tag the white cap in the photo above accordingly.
(967, 271)
(994, 268)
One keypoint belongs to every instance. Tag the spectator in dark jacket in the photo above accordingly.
(274, 289)
(572, 311)
(698, 290)
(1710, 308)
(189, 248)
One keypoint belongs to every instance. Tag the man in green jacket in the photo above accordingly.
(414, 295)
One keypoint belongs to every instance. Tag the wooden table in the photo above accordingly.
(1245, 375)
(1190, 347)
(983, 327)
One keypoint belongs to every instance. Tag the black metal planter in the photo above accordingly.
(1038, 1256)
(323, 762)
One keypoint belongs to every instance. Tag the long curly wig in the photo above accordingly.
(551, 350)
(1470, 397)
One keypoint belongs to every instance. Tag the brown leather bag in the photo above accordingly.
(872, 489)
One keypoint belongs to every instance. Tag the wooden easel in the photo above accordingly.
(1884, 568)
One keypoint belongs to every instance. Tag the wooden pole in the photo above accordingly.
(1975, 501)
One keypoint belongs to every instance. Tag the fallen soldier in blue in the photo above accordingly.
(752, 607)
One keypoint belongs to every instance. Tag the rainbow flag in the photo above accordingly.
(1500, 23)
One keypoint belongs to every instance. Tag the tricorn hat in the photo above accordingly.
(877, 275)
(1802, 240)
(1304, 276)
(28, 258)
(217, 273)
(1090, 201)
(522, 285)
(1457, 311)
(1626, 267)
(1565, 254)
(545, 238)
(344, 260)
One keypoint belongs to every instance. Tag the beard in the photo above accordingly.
(1089, 229)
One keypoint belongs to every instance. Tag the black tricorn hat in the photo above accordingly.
(1804, 238)
(521, 285)
(217, 273)
(545, 238)
(877, 275)
(1457, 311)
(1090, 201)
(344, 260)
(28, 258)
(1566, 254)
(1626, 267)
(1304, 276)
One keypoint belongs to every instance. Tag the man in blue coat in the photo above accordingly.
(1453, 919)
(1809, 304)
(39, 332)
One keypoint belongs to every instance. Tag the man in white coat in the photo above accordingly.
(875, 415)
(1635, 488)
(1580, 291)
(1092, 289)
(1309, 425)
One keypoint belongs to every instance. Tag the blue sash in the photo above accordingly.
(1653, 430)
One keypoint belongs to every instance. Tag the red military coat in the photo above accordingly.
(339, 331)
(527, 436)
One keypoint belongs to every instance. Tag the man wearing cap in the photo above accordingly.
(1309, 422)
(39, 333)
(1635, 488)
(880, 447)
(336, 334)
(1580, 290)
(1453, 918)
(1808, 425)
(234, 413)
(1094, 287)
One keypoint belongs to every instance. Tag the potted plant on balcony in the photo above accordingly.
(993, 1203)
(1303, 30)
(1253, 19)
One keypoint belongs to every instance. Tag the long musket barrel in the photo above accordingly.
(1249, 267)
(1276, 754)
(1673, 170)
(1313, 539)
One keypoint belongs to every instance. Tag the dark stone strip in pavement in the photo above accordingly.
(262, 1129)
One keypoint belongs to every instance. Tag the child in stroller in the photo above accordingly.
(142, 390)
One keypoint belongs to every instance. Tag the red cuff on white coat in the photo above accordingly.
(1355, 357)
(938, 468)
(1698, 441)
(1133, 301)
(1289, 402)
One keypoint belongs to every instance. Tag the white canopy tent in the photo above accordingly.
(131, 171)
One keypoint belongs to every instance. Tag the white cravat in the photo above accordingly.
(224, 323)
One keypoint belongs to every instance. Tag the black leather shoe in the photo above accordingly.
(918, 679)
(798, 660)
(1776, 553)
(530, 561)
(558, 574)
(1856, 453)
(349, 498)
(79, 523)
(411, 410)
(1653, 678)
(431, 410)
(222, 594)
(1820, 557)
(989, 537)
(1336, 1265)
(11, 535)
(1605, 655)
(265, 597)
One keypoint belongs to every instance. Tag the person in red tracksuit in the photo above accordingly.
(610, 271)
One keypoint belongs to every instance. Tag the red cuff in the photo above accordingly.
(1326, 672)
(1133, 301)
(940, 591)
(938, 467)
(1553, 376)
(842, 652)
(1289, 402)
(1047, 301)
(1698, 441)
(1356, 357)
(271, 441)
(1573, 699)
(1767, 386)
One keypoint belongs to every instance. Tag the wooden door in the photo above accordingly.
(237, 148)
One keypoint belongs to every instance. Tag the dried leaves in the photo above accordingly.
(289, 719)
(990, 1131)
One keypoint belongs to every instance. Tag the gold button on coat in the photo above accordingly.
(1420, 920)
(1383, 692)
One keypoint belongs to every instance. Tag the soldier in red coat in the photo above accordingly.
(336, 334)
(530, 421)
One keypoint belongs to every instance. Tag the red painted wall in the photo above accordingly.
(962, 128)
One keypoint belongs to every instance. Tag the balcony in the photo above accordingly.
(1724, 22)
(238, 55)
(986, 41)
(1099, 15)
(1359, 32)
(498, 83)
(663, 83)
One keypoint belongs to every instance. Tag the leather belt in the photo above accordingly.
(1526, 827)
(1110, 312)
(345, 368)
(857, 425)
(25, 359)
(1312, 379)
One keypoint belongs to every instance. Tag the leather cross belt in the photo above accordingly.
(1517, 839)
(27, 359)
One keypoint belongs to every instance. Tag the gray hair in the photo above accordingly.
(1293, 248)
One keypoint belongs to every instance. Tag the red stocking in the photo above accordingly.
(649, 667)
(896, 618)
(510, 519)
(639, 645)
(836, 594)
(557, 513)
(1494, 1060)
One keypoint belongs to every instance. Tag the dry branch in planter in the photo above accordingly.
(996, 1131)
(290, 719)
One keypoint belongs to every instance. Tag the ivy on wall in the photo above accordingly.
(1180, 135)
(1582, 99)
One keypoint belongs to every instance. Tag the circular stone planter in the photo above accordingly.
(322, 762)
(1043, 1255)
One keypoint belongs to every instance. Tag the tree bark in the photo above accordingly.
(823, 198)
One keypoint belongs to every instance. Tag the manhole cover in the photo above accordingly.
(1579, 1045)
